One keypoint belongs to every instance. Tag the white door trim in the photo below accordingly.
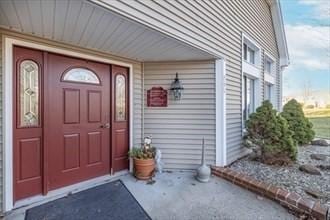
(9, 43)
(220, 117)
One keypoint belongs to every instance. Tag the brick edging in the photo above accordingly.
(293, 201)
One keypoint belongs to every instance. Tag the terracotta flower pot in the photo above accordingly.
(144, 168)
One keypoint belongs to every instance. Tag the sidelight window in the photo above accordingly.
(29, 94)
(120, 98)
(81, 75)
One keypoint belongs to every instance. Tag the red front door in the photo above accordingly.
(70, 121)
(77, 120)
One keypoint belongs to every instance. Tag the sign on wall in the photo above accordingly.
(157, 97)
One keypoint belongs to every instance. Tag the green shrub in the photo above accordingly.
(142, 153)
(270, 132)
(298, 123)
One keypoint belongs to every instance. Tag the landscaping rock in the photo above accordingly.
(314, 193)
(324, 167)
(320, 142)
(307, 168)
(318, 156)
(290, 177)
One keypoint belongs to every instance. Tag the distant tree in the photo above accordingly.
(298, 123)
(309, 106)
(269, 133)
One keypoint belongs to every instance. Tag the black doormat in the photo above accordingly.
(105, 202)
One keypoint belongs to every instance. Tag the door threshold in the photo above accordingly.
(30, 202)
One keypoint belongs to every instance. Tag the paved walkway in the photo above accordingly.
(179, 196)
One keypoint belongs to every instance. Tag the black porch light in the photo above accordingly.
(177, 88)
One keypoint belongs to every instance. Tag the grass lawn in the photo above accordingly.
(316, 113)
(321, 126)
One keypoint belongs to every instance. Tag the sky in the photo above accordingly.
(307, 27)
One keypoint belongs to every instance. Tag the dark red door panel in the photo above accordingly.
(27, 122)
(120, 118)
(77, 141)
(70, 122)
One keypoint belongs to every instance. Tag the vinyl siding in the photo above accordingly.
(1, 126)
(178, 130)
(216, 27)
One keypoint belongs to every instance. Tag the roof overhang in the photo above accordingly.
(85, 24)
(275, 8)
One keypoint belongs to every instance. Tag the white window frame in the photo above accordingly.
(272, 60)
(252, 71)
(244, 96)
(269, 89)
(269, 77)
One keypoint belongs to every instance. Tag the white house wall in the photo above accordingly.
(178, 129)
(215, 26)
(1, 125)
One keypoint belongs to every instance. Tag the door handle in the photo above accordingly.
(106, 125)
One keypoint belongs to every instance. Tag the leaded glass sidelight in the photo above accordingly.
(81, 75)
(29, 93)
(120, 98)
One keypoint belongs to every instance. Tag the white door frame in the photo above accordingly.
(9, 43)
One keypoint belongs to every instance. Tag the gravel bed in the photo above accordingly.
(290, 177)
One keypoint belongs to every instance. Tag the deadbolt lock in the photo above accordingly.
(106, 125)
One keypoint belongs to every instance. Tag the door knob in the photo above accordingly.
(106, 125)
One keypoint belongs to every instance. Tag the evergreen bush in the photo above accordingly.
(300, 125)
(270, 132)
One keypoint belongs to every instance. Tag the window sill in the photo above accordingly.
(269, 78)
(251, 70)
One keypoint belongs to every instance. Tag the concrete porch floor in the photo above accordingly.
(178, 195)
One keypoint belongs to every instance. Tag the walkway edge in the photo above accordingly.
(292, 201)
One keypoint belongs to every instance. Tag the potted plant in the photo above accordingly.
(143, 160)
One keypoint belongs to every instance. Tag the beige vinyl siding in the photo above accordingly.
(177, 130)
(1, 126)
(216, 27)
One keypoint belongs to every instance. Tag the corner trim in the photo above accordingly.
(220, 118)
(278, 25)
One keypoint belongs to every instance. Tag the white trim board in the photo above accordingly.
(8, 43)
(252, 71)
(220, 117)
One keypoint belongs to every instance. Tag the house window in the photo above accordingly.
(268, 66)
(81, 75)
(249, 54)
(248, 97)
(120, 98)
(268, 91)
(29, 94)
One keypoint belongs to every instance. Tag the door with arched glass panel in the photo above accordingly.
(70, 120)
(77, 116)
(120, 117)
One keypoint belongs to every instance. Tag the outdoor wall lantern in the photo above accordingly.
(177, 88)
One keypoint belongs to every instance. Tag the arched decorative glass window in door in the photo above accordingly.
(120, 92)
(81, 75)
(29, 94)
